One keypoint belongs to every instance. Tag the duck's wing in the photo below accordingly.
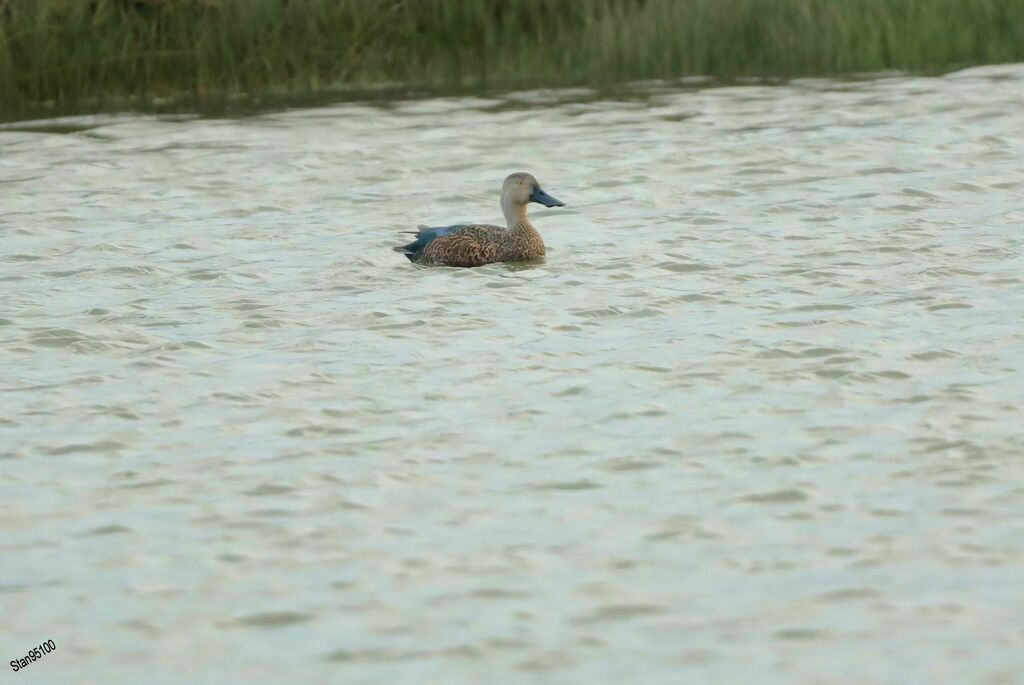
(452, 245)
(425, 234)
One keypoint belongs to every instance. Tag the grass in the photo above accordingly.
(67, 56)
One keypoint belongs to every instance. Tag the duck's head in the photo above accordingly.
(520, 189)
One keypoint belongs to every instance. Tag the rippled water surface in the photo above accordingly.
(756, 417)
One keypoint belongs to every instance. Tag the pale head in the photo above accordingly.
(519, 190)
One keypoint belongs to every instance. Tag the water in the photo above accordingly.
(757, 415)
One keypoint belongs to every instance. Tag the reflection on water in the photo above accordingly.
(758, 411)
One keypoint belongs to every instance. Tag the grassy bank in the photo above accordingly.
(60, 56)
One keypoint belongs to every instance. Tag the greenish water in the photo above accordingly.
(59, 57)
(756, 418)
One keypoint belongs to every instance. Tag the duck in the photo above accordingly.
(468, 245)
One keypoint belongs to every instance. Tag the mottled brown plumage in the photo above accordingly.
(479, 244)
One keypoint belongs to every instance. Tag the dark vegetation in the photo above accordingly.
(61, 56)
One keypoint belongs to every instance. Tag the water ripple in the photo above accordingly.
(763, 395)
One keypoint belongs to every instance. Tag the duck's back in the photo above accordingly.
(472, 245)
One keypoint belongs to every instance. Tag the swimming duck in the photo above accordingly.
(479, 244)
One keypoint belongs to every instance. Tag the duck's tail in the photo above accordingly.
(408, 250)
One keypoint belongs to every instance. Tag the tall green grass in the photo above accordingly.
(60, 56)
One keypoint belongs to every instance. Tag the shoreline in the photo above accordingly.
(59, 58)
